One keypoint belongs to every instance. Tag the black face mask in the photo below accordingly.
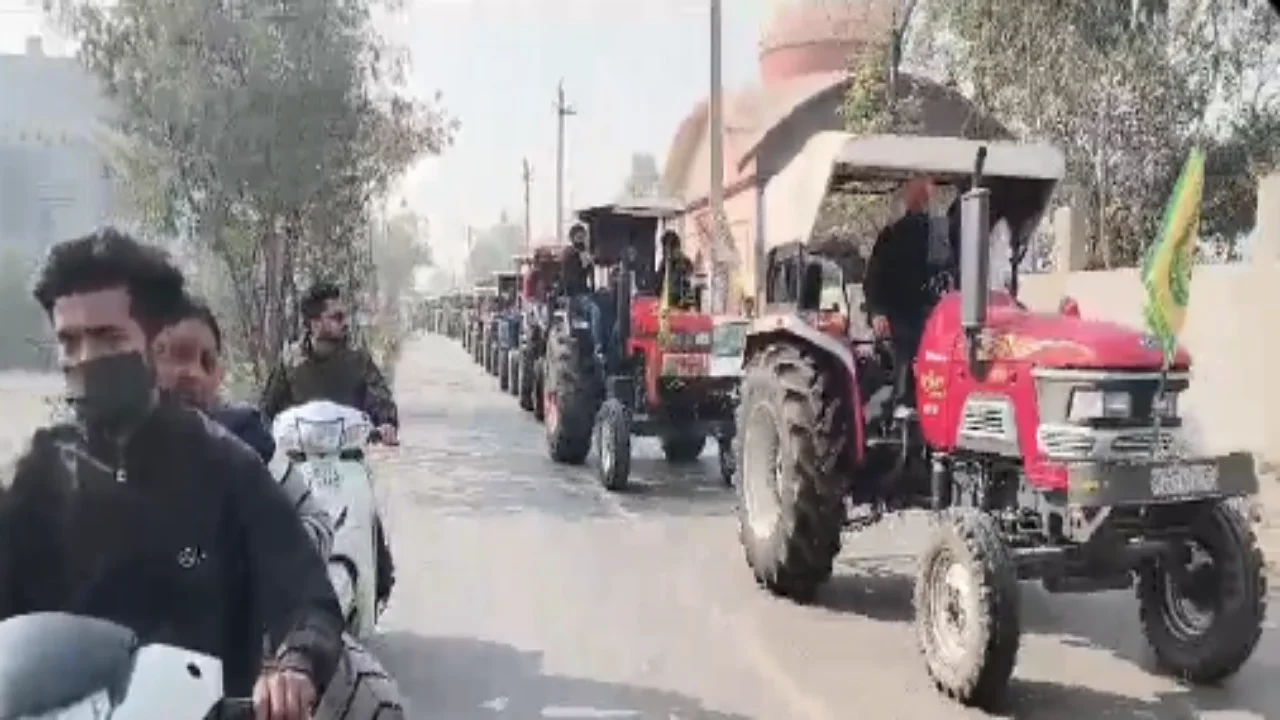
(113, 392)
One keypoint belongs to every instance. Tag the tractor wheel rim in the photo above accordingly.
(1188, 618)
(762, 471)
(951, 607)
(607, 454)
(550, 412)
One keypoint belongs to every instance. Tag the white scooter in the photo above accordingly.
(55, 666)
(325, 443)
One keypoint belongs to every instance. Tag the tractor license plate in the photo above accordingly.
(321, 476)
(685, 365)
(1184, 479)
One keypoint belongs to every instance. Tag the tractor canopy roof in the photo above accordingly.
(1020, 176)
(628, 224)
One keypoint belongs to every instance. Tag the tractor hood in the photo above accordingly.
(644, 318)
(1062, 341)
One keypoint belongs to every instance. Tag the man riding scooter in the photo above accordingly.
(324, 366)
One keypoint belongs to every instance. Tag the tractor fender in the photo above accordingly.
(768, 329)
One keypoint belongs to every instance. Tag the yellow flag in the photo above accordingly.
(1166, 270)
(664, 305)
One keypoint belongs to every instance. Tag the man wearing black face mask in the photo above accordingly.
(151, 515)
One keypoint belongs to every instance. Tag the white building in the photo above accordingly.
(55, 179)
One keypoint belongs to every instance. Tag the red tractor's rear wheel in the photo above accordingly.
(792, 427)
(571, 399)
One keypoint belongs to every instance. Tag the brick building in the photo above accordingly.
(805, 53)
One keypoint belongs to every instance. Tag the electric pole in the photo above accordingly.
(563, 110)
(528, 212)
(715, 118)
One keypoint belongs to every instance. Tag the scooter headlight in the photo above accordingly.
(1100, 405)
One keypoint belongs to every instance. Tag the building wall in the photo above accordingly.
(54, 176)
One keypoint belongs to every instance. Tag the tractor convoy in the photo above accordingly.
(1045, 447)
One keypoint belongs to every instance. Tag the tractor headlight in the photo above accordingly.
(702, 339)
(1100, 404)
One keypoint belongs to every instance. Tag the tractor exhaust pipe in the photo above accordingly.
(975, 257)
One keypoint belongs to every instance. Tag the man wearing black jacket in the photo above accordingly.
(151, 515)
(896, 285)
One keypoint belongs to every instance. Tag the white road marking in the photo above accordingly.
(556, 711)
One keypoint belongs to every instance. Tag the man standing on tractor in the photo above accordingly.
(680, 268)
(573, 278)
(896, 286)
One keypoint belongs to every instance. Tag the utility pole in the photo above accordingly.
(563, 110)
(528, 212)
(715, 118)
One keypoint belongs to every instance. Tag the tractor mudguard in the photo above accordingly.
(768, 329)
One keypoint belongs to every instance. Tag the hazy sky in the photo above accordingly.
(632, 69)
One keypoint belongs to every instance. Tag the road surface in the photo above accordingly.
(526, 591)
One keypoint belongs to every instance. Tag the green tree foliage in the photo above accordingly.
(493, 250)
(1124, 89)
(644, 178)
(24, 344)
(262, 132)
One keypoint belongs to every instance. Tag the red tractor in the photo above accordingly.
(1048, 445)
(638, 384)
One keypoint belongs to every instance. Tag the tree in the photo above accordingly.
(1124, 89)
(644, 179)
(493, 250)
(261, 132)
(24, 344)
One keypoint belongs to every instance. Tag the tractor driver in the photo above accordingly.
(896, 285)
(573, 278)
(680, 268)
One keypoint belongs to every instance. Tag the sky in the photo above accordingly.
(632, 70)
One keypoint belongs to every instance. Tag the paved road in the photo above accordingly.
(528, 592)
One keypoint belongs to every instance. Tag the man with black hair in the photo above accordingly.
(189, 368)
(326, 367)
(679, 267)
(148, 514)
(574, 274)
